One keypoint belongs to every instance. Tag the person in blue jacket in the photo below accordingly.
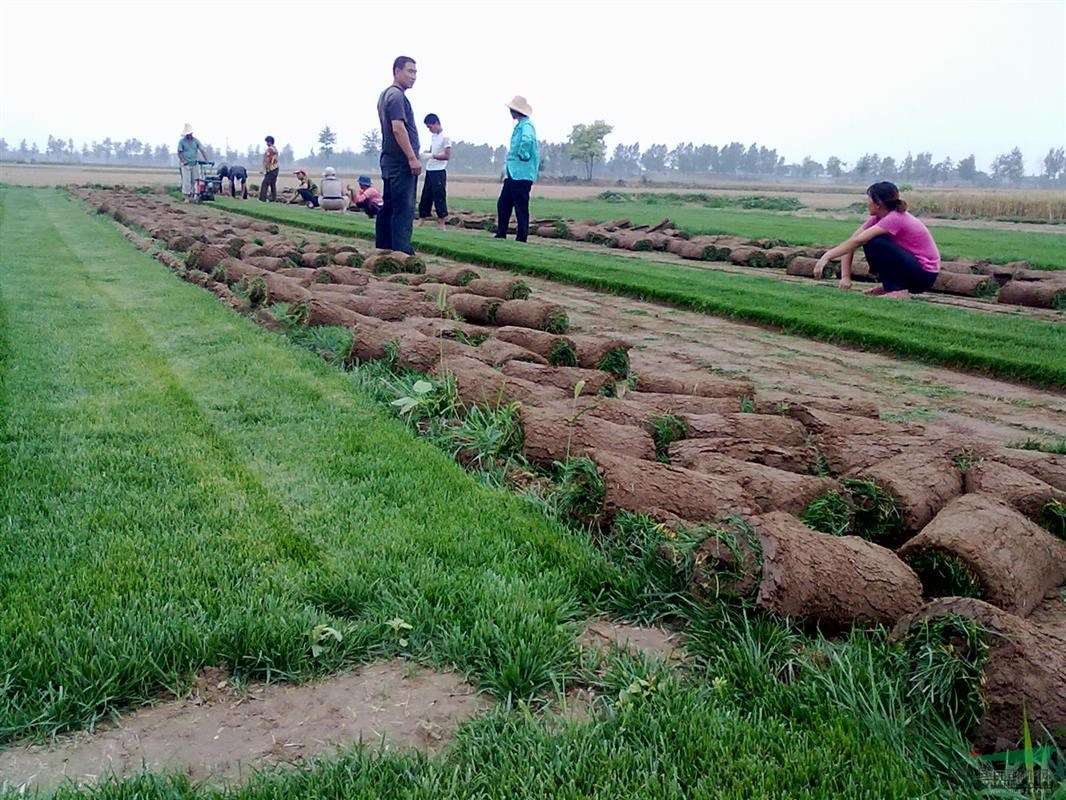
(523, 165)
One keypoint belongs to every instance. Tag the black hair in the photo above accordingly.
(431, 119)
(400, 63)
(270, 140)
(517, 114)
(886, 194)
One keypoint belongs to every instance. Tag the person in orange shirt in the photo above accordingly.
(270, 171)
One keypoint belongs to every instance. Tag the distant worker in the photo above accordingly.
(366, 198)
(189, 152)
(899, 248)
(270, 172)
(400, 166)
(435, 184)
(522, 168)
(306, 190)
(331, 197)
(235, 174)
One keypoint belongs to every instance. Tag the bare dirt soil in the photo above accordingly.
(219, 733)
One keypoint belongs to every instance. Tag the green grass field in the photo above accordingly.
(1046, 250)
(179, 488)
(1002, 345)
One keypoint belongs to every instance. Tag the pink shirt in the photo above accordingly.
(371, 194)
(909, 233)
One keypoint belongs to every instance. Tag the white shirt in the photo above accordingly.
(437, 145)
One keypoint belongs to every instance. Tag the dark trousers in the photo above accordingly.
(895, 267)
(396, 218)
(270, 180)
(434, 194)
(366, 207)
(244, 188)
(307, 197)
(513, 196)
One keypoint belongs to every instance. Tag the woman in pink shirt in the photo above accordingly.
(899, 248)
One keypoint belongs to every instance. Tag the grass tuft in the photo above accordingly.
(944, 574)
(831, 513)
(876, 514)
(665, 430)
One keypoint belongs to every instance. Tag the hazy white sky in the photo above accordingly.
(809, 78)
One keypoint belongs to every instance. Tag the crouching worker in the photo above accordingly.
(235, 174)
(899, 248)
(332, 197)
(366, 199)
(306, 190)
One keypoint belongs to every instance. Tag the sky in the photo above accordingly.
(808, 78)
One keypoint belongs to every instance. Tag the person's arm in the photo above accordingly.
(845, 264)
(527, 144)
(445, 153)
(399, 130)
(849, 246)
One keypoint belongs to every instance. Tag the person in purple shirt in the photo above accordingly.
(899, 248)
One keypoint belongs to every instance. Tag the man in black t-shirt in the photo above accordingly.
(400, 166)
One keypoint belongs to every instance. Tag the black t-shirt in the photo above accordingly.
(392, 105)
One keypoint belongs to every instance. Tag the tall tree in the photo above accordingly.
(834, 166)
(372, 143)
(968, 168)
(587, 144)
(327, 138)
(654, 158)
(1009, 167)
(1054, 163)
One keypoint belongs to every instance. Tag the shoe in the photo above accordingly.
(310, 205)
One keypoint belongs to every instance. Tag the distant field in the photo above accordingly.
(1041, 249)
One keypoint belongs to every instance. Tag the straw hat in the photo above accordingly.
(299, 171)
(186, 130)
(521, 105)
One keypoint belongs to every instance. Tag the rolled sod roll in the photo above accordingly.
(348, 258)
(205, 256)
(1033, 498)
(180, 243)
(474, 308)
(965, 285)
(593, 382)
(1048, 467)
(957, 267)
(799, 459)
(232, 270)
(917, 482)
(284, 250)
(453, 276)
(449, 329)
(269, 263)
(1018, 669)
(667, 403)
(506, 289)
(234, 245)
(795, 572)
(314, 260)
(664, 490)
(803, 408)
(269, 288)
(804, 267)
(768, 428)
(317, 311)
(772, 489)
(749, 256)
(498, 353)
(547, 232)
(479, 384)
(700, 384)
(560, 351)
(375, 340)
(533, 314)
(386, 262)
(302, 275)
(1035, 294)
(251, 250)
(344, 276)
(554, 433)
(852, 452)
(594, 352)
(979, 546)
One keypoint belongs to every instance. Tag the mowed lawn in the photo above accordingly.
(179, 488)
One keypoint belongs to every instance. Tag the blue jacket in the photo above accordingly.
(523, 157)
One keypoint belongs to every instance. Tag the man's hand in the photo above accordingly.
(415, 165)
(821, 265)
(845, 284)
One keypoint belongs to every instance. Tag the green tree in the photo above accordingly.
(1054, 163)
(372, 143)
(834, 166)
(586, 144)
(1009, 167)
(968, 168)
(327, 139)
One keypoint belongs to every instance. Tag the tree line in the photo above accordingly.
(582, 156)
